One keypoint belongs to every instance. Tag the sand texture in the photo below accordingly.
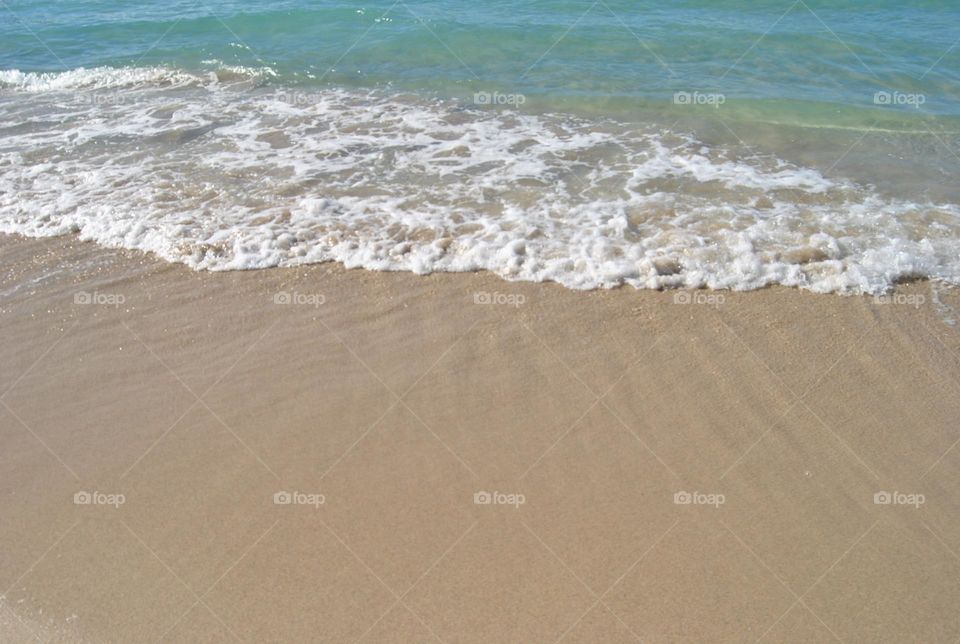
(771, 466)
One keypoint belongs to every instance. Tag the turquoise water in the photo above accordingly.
(818, 60)
(718, 143)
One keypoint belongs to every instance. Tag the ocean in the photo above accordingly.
(698, 143)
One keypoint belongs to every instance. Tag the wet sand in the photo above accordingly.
(322, 454)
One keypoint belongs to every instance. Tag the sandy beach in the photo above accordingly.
(499, 322)
(322, 454)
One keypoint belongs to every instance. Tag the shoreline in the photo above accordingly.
(423, 185)
(656, 469)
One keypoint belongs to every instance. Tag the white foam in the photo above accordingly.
(93, 78)
(219, 178)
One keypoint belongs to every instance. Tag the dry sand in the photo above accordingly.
(398, 398)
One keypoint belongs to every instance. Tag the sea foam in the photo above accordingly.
(221, 174)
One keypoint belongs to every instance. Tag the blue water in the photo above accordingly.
(718, 143)
(810, 61)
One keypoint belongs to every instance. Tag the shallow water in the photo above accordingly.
(721, 144)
